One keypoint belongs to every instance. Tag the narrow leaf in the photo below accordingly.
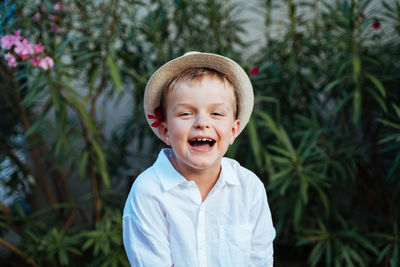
(114, 72)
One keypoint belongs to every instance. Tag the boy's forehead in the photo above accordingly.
(205, 81)
(195, 86)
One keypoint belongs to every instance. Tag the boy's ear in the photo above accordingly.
(235, 130)
(163, 130)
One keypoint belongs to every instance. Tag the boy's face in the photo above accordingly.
(200, 124)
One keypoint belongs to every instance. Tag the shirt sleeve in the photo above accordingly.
(145, 231)
(263, 231)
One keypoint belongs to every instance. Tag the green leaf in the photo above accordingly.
(60, 49)
(377, 83)
(311, 137)
(388, 123)
(38, 122)
(304, 188)
(101, 162)
(267, 99)
(378, 99)
(83, 113)
(254, 141)
(85, 56)
(114, 72)
(383, 252)
(281, 160)
(328, 253)
(356, 257)
(298, 213)
(356, 104)
(281, 174)
(94, 77)
(397, 110)
(268, 121)
(341, 104)
(63, 257)
(316, 254)
(332, 84)
(35, 89)
(356, 67)
(131, 72)
(55, 95)
(88, 243)
(83, 164)
(323, 198)
(283, 136)
(281, 151)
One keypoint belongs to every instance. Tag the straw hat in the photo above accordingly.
(236, 75)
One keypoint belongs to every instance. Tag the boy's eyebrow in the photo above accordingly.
(177, 105)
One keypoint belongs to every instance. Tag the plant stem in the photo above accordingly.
(17, 251)
(93, 176)
(23, 167)
(43, 183)
(68, 223)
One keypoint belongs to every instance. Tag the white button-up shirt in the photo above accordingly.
(166, 223)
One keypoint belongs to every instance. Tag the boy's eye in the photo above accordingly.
(216, 114)
(184, 114)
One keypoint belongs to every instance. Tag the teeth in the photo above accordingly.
(203, 140)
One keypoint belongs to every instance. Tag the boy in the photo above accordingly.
(193, 207)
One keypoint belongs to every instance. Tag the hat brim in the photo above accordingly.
(236, 75)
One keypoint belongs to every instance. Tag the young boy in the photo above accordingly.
(193, 207)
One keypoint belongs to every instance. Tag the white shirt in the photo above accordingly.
(166, 223)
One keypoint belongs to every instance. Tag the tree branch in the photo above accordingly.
(36, 154)
(17, 251)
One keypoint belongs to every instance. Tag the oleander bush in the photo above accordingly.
(324, 136)
(325, 132)
(63, 61)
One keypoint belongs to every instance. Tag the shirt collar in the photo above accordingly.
(227, 174)
(170, 177)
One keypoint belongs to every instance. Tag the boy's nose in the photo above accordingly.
(202, 122)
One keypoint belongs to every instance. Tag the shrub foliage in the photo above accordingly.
(324, 136)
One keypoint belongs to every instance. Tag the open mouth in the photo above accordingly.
(201, 142)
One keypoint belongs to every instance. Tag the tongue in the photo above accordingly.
(201, 145)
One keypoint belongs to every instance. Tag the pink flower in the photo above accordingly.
(361, 15)
(376, 25)
(38, 48)
(17, 35)
(35, 61)
(57, 7)
(12, 61)
(25, 57)
(254, 71)
(7, 41)
(52, 17)
(36, 16)
(43, 8)
(46, 63)
(24, 48)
